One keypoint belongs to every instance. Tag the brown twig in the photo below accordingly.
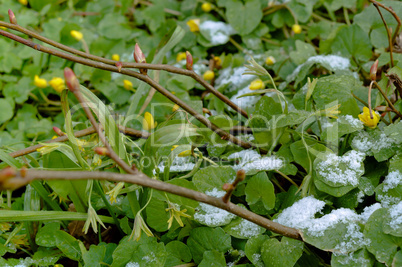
(140, 76)
(6, 182)
(388, 101)
(163, 67)
(390, 10)
(229, 188)
(389, 37)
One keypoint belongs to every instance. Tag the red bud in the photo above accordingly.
(373, 71)
(240, 175)
(103, 151)
(227, 187)
(58, 131)
(11, 16)
(119, 65)
(189, 61)
(71, 80)
(383, 108)
(139, 57)
(7, 173)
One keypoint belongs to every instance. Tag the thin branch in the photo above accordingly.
(142, 77)
(388, 34)
(388, 101)
(398, 20)
(163, 67)
(141, 179)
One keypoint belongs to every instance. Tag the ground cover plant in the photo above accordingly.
(209, 133)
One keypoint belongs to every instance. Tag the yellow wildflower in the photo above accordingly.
(23, 2)
(127, 85)
(208, 75)
(206, 7)
(173, 147)
(77, 35)
(256, 85)
(367, 120)
(176, 213)
(194, 25)
(296, 28)
(181, 56)
(115, 192)
(175, 107)
(148, 122)
(270, 60)
(116, 57)
(57, 84)
(39, 82)
(5, 226)
(91, 220)
(139, 226)
(54, 137)
(184, 153)
(218, 61)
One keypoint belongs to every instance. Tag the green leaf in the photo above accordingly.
(68, 245)
(244, 18)
(46, 235)
(179, 250)
(213, 258)
(243, 229)
(7, 109)
(253, 249)
(157, 216)
(352, 42)
(303, 52)
(361, 257)
(259, 187)
(94, 256)
(203, 239)
(284, 253)
(213, 177)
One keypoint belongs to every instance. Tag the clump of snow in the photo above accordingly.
(392, 180)
(246, 101)
(179, 164)
(349, 119)
(349, 260)
(217, 32)
(331, 170)
(367, 211)
(396, 216)
(353, 238)
(210, 215)
(362, 142)
(387, 201)
(235, 78)
(250, 160)
(149, 258)
(247, 228)
(132, 264)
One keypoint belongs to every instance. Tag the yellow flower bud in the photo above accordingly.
(256, 85)
(127, 85)
(218, 61)
(185, 153)
(116, 57)
(206, 7)
(39, 82)
(194, 25)
(208, 75)
(175, 107)
(173, 147)
(296, 28)
(148, 122)
(270, 60)
(181, 56)
(23, 2)
(57, 84)
(367, 120)
(77, 35)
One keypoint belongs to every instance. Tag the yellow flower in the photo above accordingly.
(194, 25)
(116, 57)
(367, 120)
(115, 192)
(39, 82)
(139, 226)
(296, 28)
(91, 220)
(270, 60)
(256, 85)
(57, 84)
(181, 56)
(176, 213)
(77, 35)
(23, 2)
(148, 122)
(208, 75)
(175, 107)
(206, 7)
(184, 153)
(218, 61)
(127, 85)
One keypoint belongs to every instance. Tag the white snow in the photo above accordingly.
(210, 215)
(396, 216)
(331, 170)
(179, 164)
(132, 264)
(349, 119)
(247, 228)
(367, 211)
(250, 160)
(392, 180)
(235, 78)
(362, 142)
(218, 31)
(246, 101)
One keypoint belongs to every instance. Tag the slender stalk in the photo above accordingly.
(143, 180)
(393, 13)
(391, 45)
(388, 101)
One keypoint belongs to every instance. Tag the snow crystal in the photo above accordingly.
(210, 215)
(367, 211)
(349, 260)
(362, 142)
(133, 264)
(179, 164)
(218, 31)
(246, 101)
(392, 180)
(354, 238)
(330, 170)
(250, 160)
(387, 201)
(149, 258)
(235, 78)
(396, 216)
(247, 228)
(349, 119)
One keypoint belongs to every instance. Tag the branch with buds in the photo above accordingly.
(229, 188)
